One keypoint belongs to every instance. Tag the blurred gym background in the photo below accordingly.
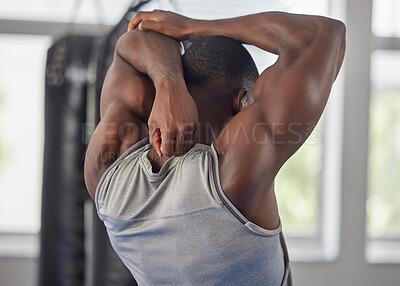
(339, 196)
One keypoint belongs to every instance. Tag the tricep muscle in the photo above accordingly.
(125, 98)
(289, 99)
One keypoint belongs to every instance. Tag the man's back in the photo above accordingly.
(155, 224)
(177, 227)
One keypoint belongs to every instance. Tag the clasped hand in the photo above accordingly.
(173, 120)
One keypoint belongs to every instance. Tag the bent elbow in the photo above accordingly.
(332, 28)
(339, 28)
(319, 29)
(128, 42)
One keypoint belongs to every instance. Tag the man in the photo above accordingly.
(180, 213)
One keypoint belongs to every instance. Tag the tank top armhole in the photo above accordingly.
(231, 207)
(100, 185)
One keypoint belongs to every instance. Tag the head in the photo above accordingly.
(220, 75)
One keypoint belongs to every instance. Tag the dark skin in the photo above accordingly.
(289, 97)
(136, 89)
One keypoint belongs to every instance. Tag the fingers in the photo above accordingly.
(174, 141)
(149, 25)
(187, 143)
(157, 142)
(186, 139)
(171, 145)
(155, 138)
(167, 143)
(141, 16)
(134, 22)
(179, 142)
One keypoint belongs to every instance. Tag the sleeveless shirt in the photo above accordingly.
(177, 227)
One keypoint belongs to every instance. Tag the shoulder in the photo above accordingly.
(99, 163)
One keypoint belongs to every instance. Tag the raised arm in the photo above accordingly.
(146, 66)
(290, 96)
(295, 89)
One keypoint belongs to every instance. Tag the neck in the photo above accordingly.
(211, 122)
(213, 113)
(210, 129)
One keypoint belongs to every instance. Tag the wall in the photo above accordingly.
(18, 271)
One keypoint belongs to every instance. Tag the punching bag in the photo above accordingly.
(62, 227)
(108, 269)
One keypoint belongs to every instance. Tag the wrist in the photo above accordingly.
(169, 82)
(194, 28)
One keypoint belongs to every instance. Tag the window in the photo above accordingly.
(21, 131)
(299, 189)
(384, 155)
(385, 20)
(383, 213)
(23, 59)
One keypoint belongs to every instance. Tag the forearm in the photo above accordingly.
(152, 54)
(172, 114)
(270, 31)
(145, 65)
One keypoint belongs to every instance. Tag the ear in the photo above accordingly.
(240, 100)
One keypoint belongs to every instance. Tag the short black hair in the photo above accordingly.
(218, 61)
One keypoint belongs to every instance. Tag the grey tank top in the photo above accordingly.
(177, 227)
